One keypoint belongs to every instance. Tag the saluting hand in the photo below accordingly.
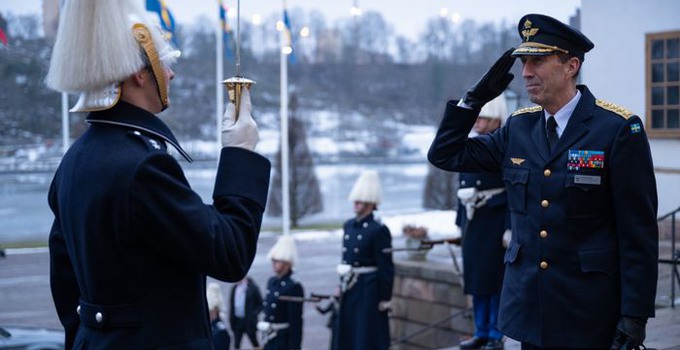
(241, 132)
(492, 84)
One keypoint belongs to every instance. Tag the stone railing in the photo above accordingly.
(428, 292)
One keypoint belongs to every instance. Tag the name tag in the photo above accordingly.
(587, 179)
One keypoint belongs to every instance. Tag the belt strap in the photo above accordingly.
(279, 326)
(109, 316)
(364, 269)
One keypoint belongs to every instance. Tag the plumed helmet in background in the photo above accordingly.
(496, 109)
(367, 188)
(102, 42)
(285, 250)
(214, 296)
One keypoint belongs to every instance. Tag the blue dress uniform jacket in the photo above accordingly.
(585, 239)
(482, 241)
(132, 243)
(361, 325)
(279, 311)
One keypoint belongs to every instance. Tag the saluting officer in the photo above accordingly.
(367, 274)
(581, 269)
(483, 219)
(131, 242)
(282, 323)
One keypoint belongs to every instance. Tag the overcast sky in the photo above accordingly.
(407, 17)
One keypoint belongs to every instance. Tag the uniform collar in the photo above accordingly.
(562, 116)
(367, 218)
(131, 116)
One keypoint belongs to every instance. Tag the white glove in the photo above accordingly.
(507, 237)
(263, 326)
(384, 305)
(242, 133)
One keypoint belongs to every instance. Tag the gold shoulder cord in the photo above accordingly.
(614, 108)
(143, 37)
(527, 110)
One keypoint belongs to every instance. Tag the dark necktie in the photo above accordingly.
(551, 127)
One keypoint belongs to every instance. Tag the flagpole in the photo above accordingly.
(285, 183)
(219, 91)
(65, 137)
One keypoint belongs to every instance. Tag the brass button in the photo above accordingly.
(544, 233)
(544, 265)
(547, 172)
(78, 310)
(545, 203)
(99, 317)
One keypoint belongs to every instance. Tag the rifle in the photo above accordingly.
(426, 244)
(313, 298)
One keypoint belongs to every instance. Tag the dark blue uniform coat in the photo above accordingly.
(221, 338)
(279, 311)
(585, 238)
(482, 241)
(132, 243)
(361, 325)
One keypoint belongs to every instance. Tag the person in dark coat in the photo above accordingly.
(131, 243)
(245, 303)
(581, 268)
(483, 218)
(282, 323)
(220, 334)
(367, 274)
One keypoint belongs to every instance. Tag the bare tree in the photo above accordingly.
(440, 189)
(305, 193)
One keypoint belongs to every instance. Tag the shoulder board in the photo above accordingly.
(151, 143)
(614, 108)
(527, 110)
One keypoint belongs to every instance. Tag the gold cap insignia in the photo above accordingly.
(528, 32)
(517, 161)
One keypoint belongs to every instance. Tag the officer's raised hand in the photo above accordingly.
(630, 332)
(492, 84)
(241, 132)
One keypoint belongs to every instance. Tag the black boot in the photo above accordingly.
(473, 343)
(493, 344)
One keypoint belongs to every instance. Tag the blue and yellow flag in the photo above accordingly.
(3, 28)
(165, 16)
(226, 30)
(289, 35)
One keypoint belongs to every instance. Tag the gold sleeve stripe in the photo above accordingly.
(614, 108)
(527, 110)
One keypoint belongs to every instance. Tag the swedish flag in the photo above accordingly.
(226, 29)
(166, 18)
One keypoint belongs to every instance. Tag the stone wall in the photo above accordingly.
(426, 292)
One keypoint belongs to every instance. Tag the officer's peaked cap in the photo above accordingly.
(543, 35)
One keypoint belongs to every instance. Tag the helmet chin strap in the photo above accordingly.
(145, 40)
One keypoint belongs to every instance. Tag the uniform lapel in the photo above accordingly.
(576, 127)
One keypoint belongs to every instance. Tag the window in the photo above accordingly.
(663, 84)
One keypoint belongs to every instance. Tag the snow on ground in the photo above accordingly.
(440, 224)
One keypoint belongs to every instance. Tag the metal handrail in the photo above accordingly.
(675, 255)
(429, 326)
